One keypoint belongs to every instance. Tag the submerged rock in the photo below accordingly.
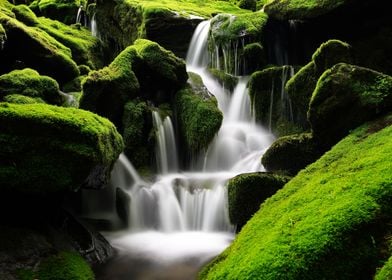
(247, 191)
(30, 83)
(48, 149)
(345, 97)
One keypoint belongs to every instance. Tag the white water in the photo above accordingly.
(183, 215)
(79, 15)
(93, 26)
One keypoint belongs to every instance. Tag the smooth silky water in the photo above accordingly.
(180, 222)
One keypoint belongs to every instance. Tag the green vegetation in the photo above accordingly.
(385, 273)
(345, 97)
(46, 148)
(329, 222)
(199, 119)
(254, 57)
(21, 99)
(226, 80)
(62, 10)
(300, 9)
(248, 191)
(290, 154)
(25, 15)
(30, 83)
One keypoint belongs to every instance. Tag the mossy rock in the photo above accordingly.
(199, 119)
(247, 191)
(226, 80)
(106, 91)
(30, 83)
(62, 10)
(137, 123)
(34, 48)
(299, 9)
(290, 154)
(301, 86)
(254, 57)
(328, 222)
(385, 273)
(271, 110)
(47, 149)
(25, 15)
(22, 99)
(345, 97)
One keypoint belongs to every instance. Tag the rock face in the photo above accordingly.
(29, 83)
(345, 97)
(320, 225)
(248, 191)
(48, 149)
(290, 154)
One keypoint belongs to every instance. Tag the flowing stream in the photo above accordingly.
(180, 221)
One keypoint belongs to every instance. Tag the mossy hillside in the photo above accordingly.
(247, 191)
(328, 222)
(274, 113)
(346, 96)
(106, 91)
(34, 48)
(290, 154)
(300, 9)
(62, 10)
(301, 86)
(25, 15)
(137, 125)
(29, 82)
(47, 149)
(199, 119)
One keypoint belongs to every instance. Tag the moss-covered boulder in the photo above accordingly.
(290, 154)
(301, 86)
(137, 123)
(321, 225)
(22, 99)
(29, 82)
(248, 191)
(47, 149)
(298, 9)
(226, 80)
(345, 97)
(272, 105)
(25, 15)
(34, 48)
(199, 119)
(62, 10)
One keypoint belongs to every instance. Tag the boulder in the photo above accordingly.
(290, 154)
(247, 191)
(345, 97)
(25, 15)
(30, 83)
(62, 10)
(329, 222)
(49, 149)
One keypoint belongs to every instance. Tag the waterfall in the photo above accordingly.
(79, 15)
(93, 26)
(166, 151)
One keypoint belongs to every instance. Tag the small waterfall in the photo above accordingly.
(79, 15)
(93, 26)
(166, 149)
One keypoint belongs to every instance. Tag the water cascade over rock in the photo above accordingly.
(180, 221)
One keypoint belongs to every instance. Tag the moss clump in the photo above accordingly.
(62, 10)
(30, 83)
(301, 86)
(199, 119)
(328, 222)
(34, 48)
(21, 99)
(385, 273)
(254, 57)
(290, 154)
(248, 191)
(226, 80)
(248, 4)
(45, 148)
(137, 125)
(273, 108)
(345, 97)
(299, 9)
(25, 15)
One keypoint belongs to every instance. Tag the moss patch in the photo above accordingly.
(328, 222)
(62, 10)
(385, 273)
(226, 80)
(25, 15)
(21, 99)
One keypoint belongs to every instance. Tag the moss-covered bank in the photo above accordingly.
(329, 222)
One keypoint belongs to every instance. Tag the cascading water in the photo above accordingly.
(93, 26)
(180, 221)
(79, 15)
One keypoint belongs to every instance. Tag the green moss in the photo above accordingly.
(385, 273)
(75, 85)
(291, 153)
(300, 9)
(226, 80)
(30, 83)
(62, 10)
(50, 149)
(65, 266)
(254, 57)
(345, 97)
(248, 4)
(21, 99)
(25, 15)
(199, 119)
(327, 223)
(248, 191)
